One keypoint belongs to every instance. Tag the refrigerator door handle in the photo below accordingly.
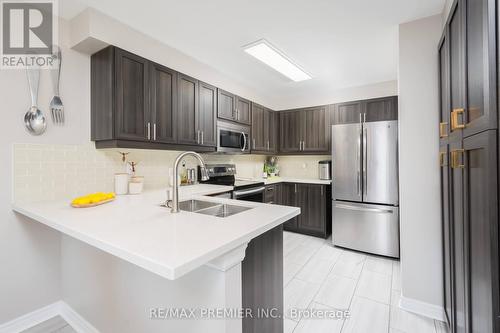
(365, 162)
(358, 161)
(361, 209)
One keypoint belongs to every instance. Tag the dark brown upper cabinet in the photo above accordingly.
(227, 105)
(234, 108)
(380, 109)
(290, 132)
(264, 129)
(468, 73)
(456, 65)
(444, 88)
(163, 96)
(137, 103)
(133, 119)
(346, 113)
(316, 130)
(305, 130)
(187, 109)
(207, 115)
(243, 111)
(481, 66)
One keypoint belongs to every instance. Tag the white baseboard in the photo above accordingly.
(422, 308)
(36, 317)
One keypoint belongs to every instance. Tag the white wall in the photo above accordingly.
(29, 252)
(421, 263)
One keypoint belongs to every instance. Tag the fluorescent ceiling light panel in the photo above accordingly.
(275, 59)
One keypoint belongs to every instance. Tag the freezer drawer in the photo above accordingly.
(365, 227)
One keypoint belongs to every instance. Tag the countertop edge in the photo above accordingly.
(148, 264)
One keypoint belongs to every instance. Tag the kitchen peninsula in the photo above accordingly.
(196, 259)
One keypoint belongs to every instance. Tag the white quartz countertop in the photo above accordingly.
(136, 228)
(276, 180)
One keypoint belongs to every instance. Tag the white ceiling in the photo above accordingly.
(342, 43)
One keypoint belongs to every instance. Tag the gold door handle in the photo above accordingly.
(442, 156)
(454, 119)
(455, 158)
(442, 130)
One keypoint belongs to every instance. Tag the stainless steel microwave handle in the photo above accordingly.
(244, 141)
(362, 209)
(247, 192)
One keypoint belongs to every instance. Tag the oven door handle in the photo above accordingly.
(244, 141)
(248, 192)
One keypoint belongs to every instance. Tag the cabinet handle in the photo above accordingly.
(253, 143)
(149, 131)
(202, 138)
(442, 130)
(154, 131)
(198, 136)
(454, 119)
(321, 190)
(295, 188)
(442, 155)
(364, 117)
(267, 145)
(455, 158)
(303, 145)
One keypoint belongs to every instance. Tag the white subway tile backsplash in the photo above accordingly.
(48, 172)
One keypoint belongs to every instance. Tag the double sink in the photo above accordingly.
(211, 208)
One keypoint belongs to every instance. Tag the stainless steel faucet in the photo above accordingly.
(175, 185)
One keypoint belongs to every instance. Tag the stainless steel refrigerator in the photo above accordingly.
(365, 192)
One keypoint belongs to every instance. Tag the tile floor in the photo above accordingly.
(320, 276)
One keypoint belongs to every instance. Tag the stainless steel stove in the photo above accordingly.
(225, 174)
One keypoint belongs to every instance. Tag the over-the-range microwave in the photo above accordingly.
(232, 138)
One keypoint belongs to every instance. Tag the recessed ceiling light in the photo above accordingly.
(275, 59)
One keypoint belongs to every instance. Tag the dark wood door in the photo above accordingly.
(207, 115)
(226, 105)
(262, 282)
(457, 69)
(259, 128)
(347, 113)
(444, 88)
(163, 96)
(187, 109)
(273, 131)
(447, 230)
(481, 66)
(132, 97)
(243, 111)
(380, 109)
(288, 198)
(290, 132)
(270, 194)
(312, 201)
(481, 230)
(316, 130)
(458, 236)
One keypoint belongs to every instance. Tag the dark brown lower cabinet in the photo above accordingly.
(470, 232)
(288, 198)
(314, 201)
(262, 280)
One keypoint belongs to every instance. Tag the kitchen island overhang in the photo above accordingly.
(183, 248)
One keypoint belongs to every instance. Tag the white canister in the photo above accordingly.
(136, 184)
(121, 183)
